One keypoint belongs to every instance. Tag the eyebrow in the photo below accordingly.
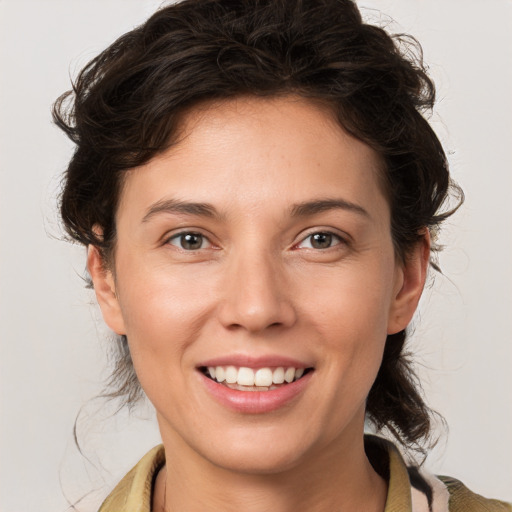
(304, 209)
(321, 205)
(177, 206)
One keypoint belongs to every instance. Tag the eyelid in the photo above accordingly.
(343, 239)
(166, 239)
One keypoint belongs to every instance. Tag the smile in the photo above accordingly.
(254, 379)
(255, 398)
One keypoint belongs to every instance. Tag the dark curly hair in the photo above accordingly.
(126, 105)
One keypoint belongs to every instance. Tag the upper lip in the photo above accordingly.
(249, 361)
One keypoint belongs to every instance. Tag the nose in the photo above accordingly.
(256, 295)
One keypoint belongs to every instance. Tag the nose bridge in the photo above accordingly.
(256, 293)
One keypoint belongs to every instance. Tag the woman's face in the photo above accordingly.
(259, 246)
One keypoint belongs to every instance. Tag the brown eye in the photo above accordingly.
(189, 241)
(320, 240)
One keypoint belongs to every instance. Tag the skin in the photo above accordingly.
(257, 286)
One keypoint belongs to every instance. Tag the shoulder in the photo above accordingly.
(413, 489)
(133, 493)
(464, 500)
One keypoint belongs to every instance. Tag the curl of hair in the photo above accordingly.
(127, 103)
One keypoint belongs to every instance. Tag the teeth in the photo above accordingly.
(220, 374)
(231, 374)
(262, 377)
(289, 374)
(278, 376)
(245, 377)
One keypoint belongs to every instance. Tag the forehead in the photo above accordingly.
(248, 152)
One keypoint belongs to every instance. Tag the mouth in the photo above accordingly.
(254, 379)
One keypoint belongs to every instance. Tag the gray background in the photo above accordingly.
(53, 345)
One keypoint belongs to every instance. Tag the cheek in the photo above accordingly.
(353, 301)
(155, 294)
(351, 313)
(163, 310)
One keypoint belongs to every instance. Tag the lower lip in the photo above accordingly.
(256, 402)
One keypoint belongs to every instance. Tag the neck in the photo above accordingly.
(338, 478)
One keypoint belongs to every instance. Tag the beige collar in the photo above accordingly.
(134, 492)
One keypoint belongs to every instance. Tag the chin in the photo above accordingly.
(252, 452)
(257, 462)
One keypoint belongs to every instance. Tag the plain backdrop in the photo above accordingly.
(53, 345)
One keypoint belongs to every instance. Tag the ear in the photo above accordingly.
(105, 289)
(409, 282)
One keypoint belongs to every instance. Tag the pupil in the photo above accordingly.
(191, 241)
(321, 240)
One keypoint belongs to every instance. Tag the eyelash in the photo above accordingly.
(331, 237)
(328, 234)
(179, 237)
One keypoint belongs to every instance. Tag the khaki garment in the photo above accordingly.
(133, 493)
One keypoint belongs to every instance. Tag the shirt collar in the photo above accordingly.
(134, 492)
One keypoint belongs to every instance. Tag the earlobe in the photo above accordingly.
(410, 281)
(105, 289)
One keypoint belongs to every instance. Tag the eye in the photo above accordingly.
(320, 240)
(190, 241)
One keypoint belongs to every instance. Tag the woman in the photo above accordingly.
(260, 196)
